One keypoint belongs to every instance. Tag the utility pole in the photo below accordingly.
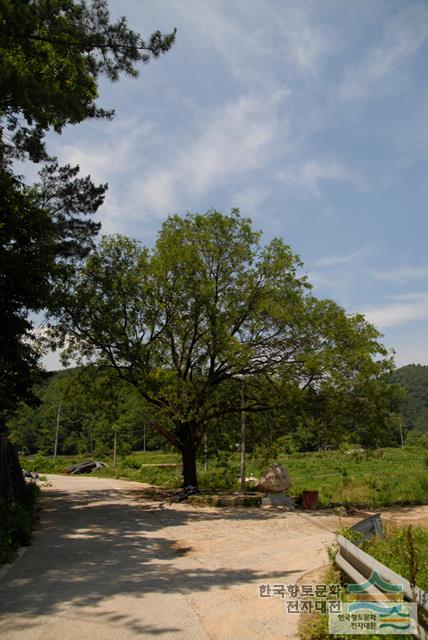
(243, 425)
(205, 449)
(144, 438)
(114, 448)
(401, 431)
(57, 432)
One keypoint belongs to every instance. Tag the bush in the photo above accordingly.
(417, 438)
(39, 462)
(130, 463)
(223, 476)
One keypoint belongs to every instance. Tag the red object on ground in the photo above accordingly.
(310, 499)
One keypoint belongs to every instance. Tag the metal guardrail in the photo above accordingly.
(367, 528)
(359, 566)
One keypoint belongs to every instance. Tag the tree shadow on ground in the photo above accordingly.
(96, 545)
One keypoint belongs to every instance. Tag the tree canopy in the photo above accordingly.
(210, 308)
(52, 53)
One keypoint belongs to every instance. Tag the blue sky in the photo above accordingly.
(311, 117)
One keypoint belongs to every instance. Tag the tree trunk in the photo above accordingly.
(12, 483)
(188, 453)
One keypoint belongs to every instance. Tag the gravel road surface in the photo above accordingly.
(109, 564)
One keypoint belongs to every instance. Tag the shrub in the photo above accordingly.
(223, 476)
(16, 523)
(130, 463)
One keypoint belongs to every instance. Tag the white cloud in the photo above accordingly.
(52, 361)
(252, 42)
(401, 274)
(306, 178)
(111, 151)
(404, 308)
(219, 146)
(338, 261)
(411, 354)
(404, 34)
(237, 139)
(249, 200)
(305, 43)
(317, 279)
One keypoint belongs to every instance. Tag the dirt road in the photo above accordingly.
(109, 564)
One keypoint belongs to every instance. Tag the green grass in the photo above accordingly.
(395, 551)
(383, 477)
(371, 479)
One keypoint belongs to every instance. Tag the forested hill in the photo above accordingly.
(414, 378)
(93, 406)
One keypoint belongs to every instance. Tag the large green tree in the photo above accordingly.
(52, 53)
(210, 308)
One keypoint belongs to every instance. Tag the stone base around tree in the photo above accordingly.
(239, 500)
(277, 500)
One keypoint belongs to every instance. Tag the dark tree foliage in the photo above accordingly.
(69, 199)
(42, 232)
(26, 260)
(52, 53)
(414, 379)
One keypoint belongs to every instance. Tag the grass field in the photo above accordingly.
(382, 477)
